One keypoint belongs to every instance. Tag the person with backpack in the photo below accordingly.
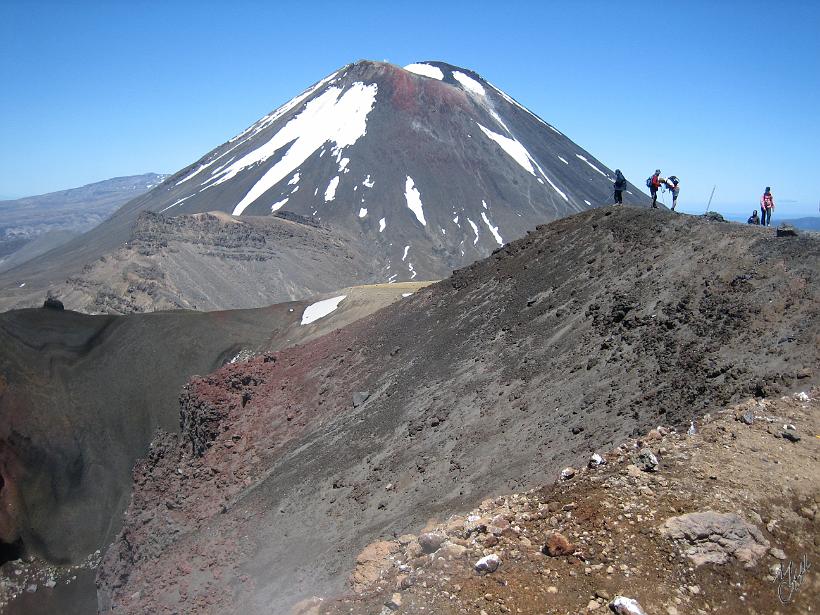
(766, 207)
(673, 185)
(653, 183)
(619, 186)
(753, 219)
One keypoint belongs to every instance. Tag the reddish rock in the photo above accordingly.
(558, 545)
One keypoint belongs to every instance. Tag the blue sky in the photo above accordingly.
(724, 93)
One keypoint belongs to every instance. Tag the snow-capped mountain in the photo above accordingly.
(418, 170)
(431, 163)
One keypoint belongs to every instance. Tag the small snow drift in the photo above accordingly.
(320, 309)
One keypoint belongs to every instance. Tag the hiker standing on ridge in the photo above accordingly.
(753, 219)
(653, 183)
(766, 207)
(620, 186)
(673, 185)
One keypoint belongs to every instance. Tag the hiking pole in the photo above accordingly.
(710, 198)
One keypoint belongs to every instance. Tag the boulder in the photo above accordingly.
(451, 550)
(786, 230)
(488, 563)
(53, 304)
(626, 606)
(714, 216)
(646, 460)
(715, 538)
(371, 563)
(557, 545)
(747, 417)
(567, 473)
(431, 541)
(596, 460)
(359, 397)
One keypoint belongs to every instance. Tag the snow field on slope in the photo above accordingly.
(278, 205)
(425, 70)
(475, 230)
(514, 149)
(330, 193)
(259, 126)
(469, 83)
(331, 116)
(592, 165)
(320, 309)
(493, 229)
(414, 200)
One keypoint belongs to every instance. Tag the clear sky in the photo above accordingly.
(724, 93)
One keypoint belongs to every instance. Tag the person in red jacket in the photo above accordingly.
(766, 207)
(654, 184)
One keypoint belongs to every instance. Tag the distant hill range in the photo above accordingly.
(413, 171)
(33, 225)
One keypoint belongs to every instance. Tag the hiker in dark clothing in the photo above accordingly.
(620, 186)
(653, 183)
(673, 185)
(754, 218)
(766, 207)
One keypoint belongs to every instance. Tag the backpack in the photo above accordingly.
(674, 180)
(648, 182)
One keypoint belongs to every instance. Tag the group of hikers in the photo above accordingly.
(655, 182)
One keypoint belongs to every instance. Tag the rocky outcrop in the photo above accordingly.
(710, 537)
(624, 524)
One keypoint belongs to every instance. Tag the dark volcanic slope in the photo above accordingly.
(428, 172)
(559, 344)
(81, 397)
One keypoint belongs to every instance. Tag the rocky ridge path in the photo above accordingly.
(747, 497)
(566, 342)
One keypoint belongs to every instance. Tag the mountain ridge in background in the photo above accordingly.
(57, 217)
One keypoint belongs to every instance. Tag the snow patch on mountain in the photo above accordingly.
(368, 183)
(178, 202)
(278, 205)
(330, 192)
(592, 165)
(425, 70)
(332, 116)
(493, 229)
(414, 200)
(514, 149)
(404, 256)
(362, 212)
(294, 180)
(475, 230)
(469, 83)
(320, 309)
(382, 224)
